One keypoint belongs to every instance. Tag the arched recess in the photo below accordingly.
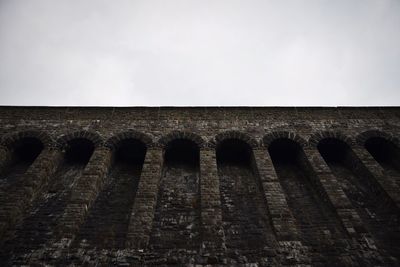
(185, 135)
(234, 135)
(376, 209)
(115, 141)
(22, 149)
(176, 223)
(384, 148)
(92, 137)
(78, 148)
(364, 136)
(315, 138)
(245, 217)
(269, 138)
(108, 219)
(10, 139)
(316, 220)
(39, 226)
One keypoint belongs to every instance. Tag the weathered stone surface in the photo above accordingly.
(199, 186)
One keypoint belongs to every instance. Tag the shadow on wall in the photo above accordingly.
(23, 154)
(107, 223)
(387, 154)
(244, 213)
(316, 221)
(377, 211)
(176, 222)
(38, 228)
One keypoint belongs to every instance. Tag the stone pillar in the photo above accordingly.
(5, 158)
(141, 219)
(282, 220)
(211, 214)
(290, 250)
(41, 171)
(85, 192)
(387, 182)
(347, 214)
(332, 190)
(14, 204)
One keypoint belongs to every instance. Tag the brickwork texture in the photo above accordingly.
(199, 186)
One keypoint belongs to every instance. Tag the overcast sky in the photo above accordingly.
(204, 52)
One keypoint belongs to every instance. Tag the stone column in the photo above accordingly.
(5, 158)
(141, 219)
(388, 183)
(14, 204)
(347, 214)
(282, 220)
(85, 192)
(331, 189)
(211, 214)
(290, 248)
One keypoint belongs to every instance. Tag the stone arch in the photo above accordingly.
(164, 140)
(317, 137)
(364, 136)
(271, 137)
(241, 192)
(22, 150)
(363, 190)
(297, 178)
(113, 141)
(234, 135)
(10, 139)
(385, 149)
(116, 199)
(179, 184)
(95, 138)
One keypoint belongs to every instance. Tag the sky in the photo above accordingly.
(200, 53)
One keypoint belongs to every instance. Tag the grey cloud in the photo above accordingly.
(199, 52)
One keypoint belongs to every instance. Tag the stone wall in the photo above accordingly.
(200, 186)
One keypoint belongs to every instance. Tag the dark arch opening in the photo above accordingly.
(130, 151)
(23, 153)
(334, 150)
(386, 153)
(235, 152)
(245, 215)
(108, 220)
(176, 223)
(27, 149)
(285, 151)
(376, 209)
(79, 151)
(315, 218)
(182, 152)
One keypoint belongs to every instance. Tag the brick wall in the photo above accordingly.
(205, 186)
